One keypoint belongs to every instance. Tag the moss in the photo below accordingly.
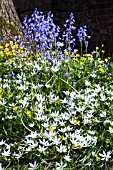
(4, 25)
(14, 31)
(2, 22)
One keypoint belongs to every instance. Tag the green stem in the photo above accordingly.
(26, 126)
(69, 85)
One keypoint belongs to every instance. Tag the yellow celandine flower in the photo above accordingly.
(21, 51)
(106, 59)
(10, 61)
(60, 62)
(99, 59)
(9, 53)
(63, 138)
(88, 55)
(13, 51)
(59, 100)
(15, 46)
(83, 58)
(77, 55)
(102, 51)
(101, 70)
(78, 145)
(52, 129)
(76, 59)
(71, 55)
(108, 78)
(30, 59)
(14, 108)
(6, 45)
(97, 48)
(42, 57)
(66, 52)
(6, 49)
(78, 122)
(75, 118)
(28, 113)
(1, 47)
(81, 63)
(90, 59)
(1, 53)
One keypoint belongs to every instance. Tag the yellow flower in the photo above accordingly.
(63, 138)
(78, 122)
(28, 113)
(59, 100)
(52, 129)
(76, 59)
(77, 55)
(10, 61)
(6, 45)
(1, 53)
(99, 59)
(6, 50)
(101, 70)
(21, 51)
(1, 47)
(106, 59)
(14, 108)
(81, 63)
(37, 55)
(108, 78)
(109, 58)
(88, 55)
(90, 58)
(83, 58)
(75, 118)
(102, 51)
(13, 51)
(15, 46)
(97, 48)
(9, 53)
(78, 145)
(66, 52)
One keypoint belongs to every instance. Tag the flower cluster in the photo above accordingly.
(58, 105)
(41, 30)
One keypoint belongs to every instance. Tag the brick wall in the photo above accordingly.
(96, 14)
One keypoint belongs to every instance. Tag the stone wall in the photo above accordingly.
(96, 14)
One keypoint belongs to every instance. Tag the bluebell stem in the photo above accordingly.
(82, 36)
(67, 35)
